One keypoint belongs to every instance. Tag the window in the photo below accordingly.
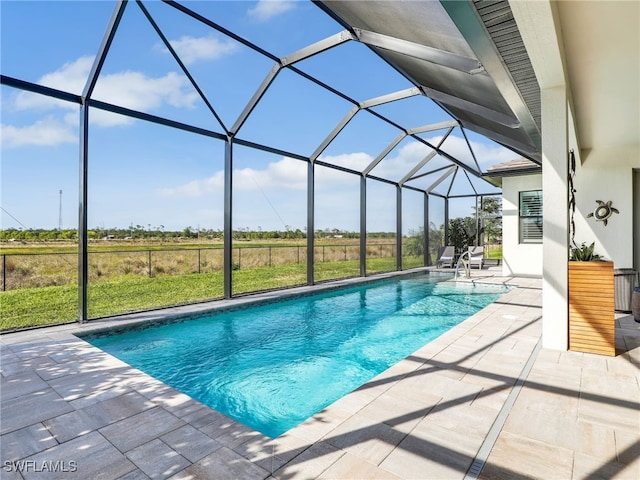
(530, 213)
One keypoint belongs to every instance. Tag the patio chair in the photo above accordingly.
(447, 257)
(476, 257)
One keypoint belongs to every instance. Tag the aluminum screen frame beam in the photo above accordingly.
(426, 159)
(253, 102)
(107, 40)
(446, 221)
(311, 222)
(426, 229)
(398, 227)
(391, 97)
(83, 179)
(224, 31)
(449, 157)
(83, 199)
(442, 178)
(184, 69)
(461, 63)
(477, 109)
(127, 112)
(455, 174)
(471, 195)
(419, 165)
(433, 127)
(384, 153)
(439, 169)
(363, 226)
(316, 48)
(227, 259)
(466, 139)
(334, 133)
(466, 174)
(40, 89)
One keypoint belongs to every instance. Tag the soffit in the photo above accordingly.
(602, 55)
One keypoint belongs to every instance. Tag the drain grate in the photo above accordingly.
(490, 440)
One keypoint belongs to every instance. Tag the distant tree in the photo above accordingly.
(491, 213)
(414, 245)
(462, 232)
(68, 234)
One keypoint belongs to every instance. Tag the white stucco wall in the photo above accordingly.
(518, 259)
(613, 183)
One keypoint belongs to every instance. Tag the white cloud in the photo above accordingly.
(47, 133)
(286, 173)
(397, 166)
(136, 91)
(454, 145)
(129, 89)
(291, 174)
(488, 155)
(355, 161)
(71, 77)
(193, 49)
(266, 9)
(195, 188)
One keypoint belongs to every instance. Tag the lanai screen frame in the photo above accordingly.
(230, 138)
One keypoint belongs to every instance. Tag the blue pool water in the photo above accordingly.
(273, 366)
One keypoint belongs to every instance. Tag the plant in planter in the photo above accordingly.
(584, 253)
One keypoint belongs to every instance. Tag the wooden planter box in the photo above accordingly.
(591, 308)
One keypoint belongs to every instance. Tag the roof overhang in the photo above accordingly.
(520, 166)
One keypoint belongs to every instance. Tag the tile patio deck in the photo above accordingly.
(481, 401)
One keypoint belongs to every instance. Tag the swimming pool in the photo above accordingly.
(274, 365)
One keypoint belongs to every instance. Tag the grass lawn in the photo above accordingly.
(29, 307)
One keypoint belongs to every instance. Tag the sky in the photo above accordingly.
(144, 174)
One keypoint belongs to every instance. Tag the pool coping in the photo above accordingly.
(167, 314)
(142, 320)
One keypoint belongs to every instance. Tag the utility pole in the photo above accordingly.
(60, 213)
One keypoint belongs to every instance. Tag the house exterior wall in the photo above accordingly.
(614, 242)
(612, 183)
(518, 259)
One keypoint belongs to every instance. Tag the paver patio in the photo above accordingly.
(483, 400)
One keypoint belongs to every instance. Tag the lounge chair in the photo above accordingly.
(476, 257)
(447, 257)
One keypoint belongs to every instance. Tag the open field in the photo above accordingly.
(34, 266)
(59, 304)
(40, 285)
(40, 282)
